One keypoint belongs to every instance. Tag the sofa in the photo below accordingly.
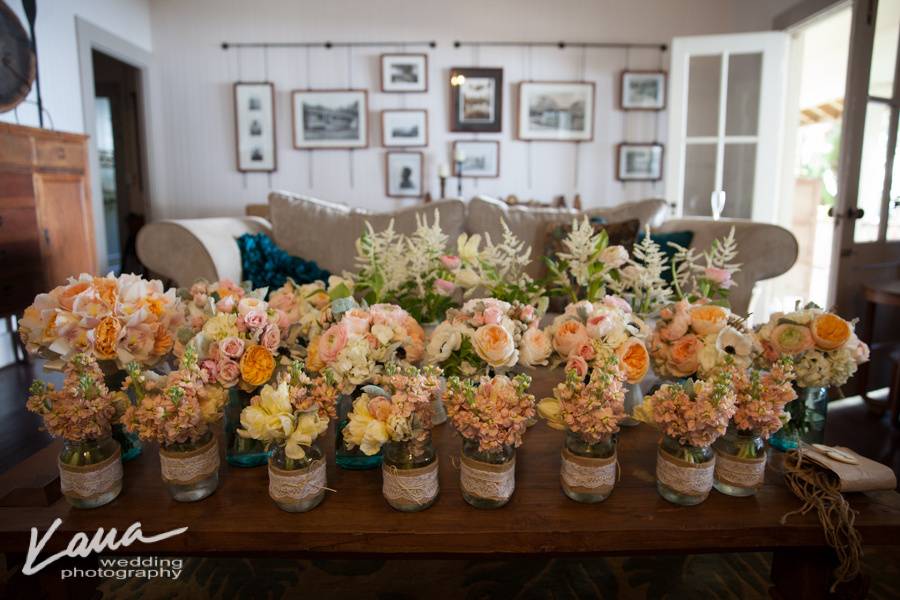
(184, 250)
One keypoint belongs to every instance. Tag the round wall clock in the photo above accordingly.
(17, 63)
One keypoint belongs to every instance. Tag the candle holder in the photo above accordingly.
(459, 178)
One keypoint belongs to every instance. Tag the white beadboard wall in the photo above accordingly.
(194, 77)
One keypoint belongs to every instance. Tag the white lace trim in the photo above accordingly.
(592, 477)
(488, 484)
(195, 466)
(92, 480)
(299, 485)
(745, 473)
(418, 487)
(690, 480)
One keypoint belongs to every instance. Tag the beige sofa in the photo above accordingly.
(185, 250)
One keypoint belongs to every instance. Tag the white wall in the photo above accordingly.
(58, 53)
(195, 78)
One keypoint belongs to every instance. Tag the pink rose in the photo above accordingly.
(527, 313)
(229, 373)
(232, 347)
(209, 370)
(569, 336)
(721, 277)
(492, 315)
(598, 326)
(255, 319)
(332, 342)
(616, 302)
(356, 321)
(271, 338)
(444, 287)
(684, 356)
(585, 351)
(226, 304)
(577, 364)
(451, 262)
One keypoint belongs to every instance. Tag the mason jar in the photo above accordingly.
(487, 479)
(190, 471)
(352, 459)
(588, 470)
(740, 462)
(410, 474)
(240, 451)
(684, 473)
(90, 471)
(297, 485)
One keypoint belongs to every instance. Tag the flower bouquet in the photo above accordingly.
(760, 400)
(691, 416)
(590, 412)
(305, 311)
(492, 415)
(826, 353)
(82, 413)
(176, 411)
(118, 320)
(204, 299)
(356, 350)
(488, 334)
(396, 414)
(287, 416)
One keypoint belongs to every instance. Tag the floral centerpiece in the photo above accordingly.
(287, 416)
(305, 311)
(82, 413)
(203, 300)
(826, 352)
(691, 415)
(395, 413)
(492, 415)
(707, 276)
(176, 411)
(587, 265)
(487, 333)
(641, 281)
(590, 412)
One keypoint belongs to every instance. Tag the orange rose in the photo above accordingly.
(634, 358)
(66, 297)
(107, 289)
(106, 338)
(313, 362)
(257, 365)
(163, 341)
(830, 331)
(708, 318)
(684, 356)
(414, 345)
(568, 337)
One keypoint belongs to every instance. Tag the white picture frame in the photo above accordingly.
(330, 119)
(404, 128)
(404, 73)
(482, 158)
(254, 122)
(560, 111)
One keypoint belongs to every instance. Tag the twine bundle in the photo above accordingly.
(820, 489)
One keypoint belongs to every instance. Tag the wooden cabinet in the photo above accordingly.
(46, 221)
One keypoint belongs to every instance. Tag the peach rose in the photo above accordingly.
(789, 338)
(313, 361)
(492, 315)
(585, 351)
(226, 304)
(684, 356)
(270, 338)
(257, 365)
(708, 318)
(634, 359)
(356, 321)
(535, 347)
(107, 290)
(830, 331)
(66, 297)
(495, 346)
(232, 347)
(228, 372)
(163, 342)
(106, 338)
(577, 364)
(414, 345)
(569, 336)
(332, 342)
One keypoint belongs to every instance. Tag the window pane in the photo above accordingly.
(703, 95)
(699, 178)
(884, 49)
(742, 106)
(893, 227)
(871, 174)
(738, 171)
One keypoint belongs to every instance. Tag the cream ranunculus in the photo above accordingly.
(535, 347)
(495, 346)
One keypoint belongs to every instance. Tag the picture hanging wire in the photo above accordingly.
(266, 78)
(625, 113)
(403, 96)
(528, 148)
(240, 77)
(350, 87)
(309, 155)
(582, 76)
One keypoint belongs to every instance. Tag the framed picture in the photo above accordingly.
(639, 162)
(404, 72)
(481, 159)
(404, 174)
(476, 99)
(556, 111)
(643, 90)
(330, 119)
(254, 121)
(404, 128)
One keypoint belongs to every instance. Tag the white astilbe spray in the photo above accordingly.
(710, 278)
(588, 265)
(581, 250)
(508, 259)
(381, 260)
(641, 282)
(424, 248)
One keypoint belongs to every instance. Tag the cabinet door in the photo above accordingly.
(66, 225)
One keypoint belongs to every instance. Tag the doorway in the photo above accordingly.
(118, 139)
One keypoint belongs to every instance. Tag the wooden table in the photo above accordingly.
(240, 519)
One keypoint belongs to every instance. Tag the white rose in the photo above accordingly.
(535, 348)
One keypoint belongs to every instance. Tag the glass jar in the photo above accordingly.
(588, 470)
(438, 410)
(740, 462)
(90, 472)
(808, 412)
(684, 473)
(355, 459)
(191, 470)
(130, 443)
(241, 451)
(487, 479)
(297, 485)
(633, 397)
(410, 474)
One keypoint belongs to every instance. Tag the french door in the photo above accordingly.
(867, 215)
(727, 95)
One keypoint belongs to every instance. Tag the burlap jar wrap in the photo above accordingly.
(486, 480)
(295, 485)
(740, 472)
(185, 468)
(90, 481)
(410, 487)
(688, 479)
(587, 475)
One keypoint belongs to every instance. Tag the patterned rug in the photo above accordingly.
(739, 576)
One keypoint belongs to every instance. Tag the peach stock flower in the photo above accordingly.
(708, 318)
(830, 331)
(634, 359)
(257, 365)
(495, 346)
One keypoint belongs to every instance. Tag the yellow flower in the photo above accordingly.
(269, 416)
(221, 326)
(365, 431)
(257, 365)
(314, 364)
(549, 410)
(309, 426)
(106, 338)
(467, 247)
(830, 331)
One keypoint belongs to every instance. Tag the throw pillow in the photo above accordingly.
(266, 265)
(682, 238)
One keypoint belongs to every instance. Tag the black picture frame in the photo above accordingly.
(460, 99)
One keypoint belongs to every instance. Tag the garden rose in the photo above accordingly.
(616, 302)
(414, 345)
(598, 326)
(248, 304)
(313, 362)
(444, 287)
(255, 319)
(356, 321)
(271, 338)
(332, 342)
(789, 339)
(585, 351)
(634, 360)
(568, 336)
(495, 346)
(66, 297)
(708, 318)
(226, 304)
(830, 331)
(577, 364)
(535, 347)
(228, 372)
(683, 358)
(257, 365)
(492, 315)
(232, 347)
(721, 277)
(106, 338)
